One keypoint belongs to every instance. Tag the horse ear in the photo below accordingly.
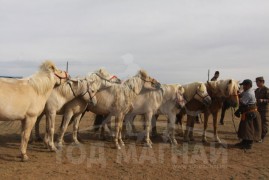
(143, 73)
(230, 81)
(181, 89)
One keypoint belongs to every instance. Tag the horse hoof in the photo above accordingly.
(148, 145)
(24, 158)
(53, 149)
(118, 148)
(174, 142)
(76, 143)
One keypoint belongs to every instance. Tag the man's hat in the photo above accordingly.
(246, 82)
(259, 79)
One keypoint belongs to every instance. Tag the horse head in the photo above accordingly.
(104, 78)
(59, 75)
(149, 82)
(201, 95)
(231, 92)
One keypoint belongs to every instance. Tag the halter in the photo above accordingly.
(83, 94)
(108, 80)
(60, 77)
(196, 93)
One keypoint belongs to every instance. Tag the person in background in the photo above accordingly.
(215, 77)
(262, 96)
(250, 125)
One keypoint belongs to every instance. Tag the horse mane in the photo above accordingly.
(191, 88)
(223, 87)
(42, 81)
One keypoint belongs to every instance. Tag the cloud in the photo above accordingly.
(176, 41)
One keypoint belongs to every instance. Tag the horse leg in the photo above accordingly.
(206, 116)
(154, 125)
(179, 118)
(215, 124)
(120, 132)
(148, 118)
(27, 126)
(75, 129)
(172, 119)
(188, 128)
(37, 125)
(66, 119)
(193, 120)
(117, 131)
(50, 116)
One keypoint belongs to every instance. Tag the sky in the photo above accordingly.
(175, 41)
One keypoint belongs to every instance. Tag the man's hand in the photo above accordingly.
(237, 113)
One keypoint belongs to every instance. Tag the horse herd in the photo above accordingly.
(51, 91)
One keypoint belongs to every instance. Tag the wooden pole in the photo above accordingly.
(208, 73)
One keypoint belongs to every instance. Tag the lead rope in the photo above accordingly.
(232, 110)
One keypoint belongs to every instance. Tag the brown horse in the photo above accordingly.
(219, 91)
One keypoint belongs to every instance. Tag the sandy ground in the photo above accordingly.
(97, 159)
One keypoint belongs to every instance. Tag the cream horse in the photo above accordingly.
(193, 91)
(168, 100)
(25, 99)
(72, 92)
(75, 108)
(217, 91)
(118, 100)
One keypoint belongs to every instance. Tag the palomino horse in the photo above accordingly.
(72, 91)
(118, 100)
(168, 100)
(25, 99)
(217, 90)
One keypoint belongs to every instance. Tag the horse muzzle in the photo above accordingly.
(207, 101)
(92, 102)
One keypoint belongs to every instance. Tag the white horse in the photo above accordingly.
(25, 99)
(118, 100)
(75, 108)
(196, 90)
(72, 91)
(168, 100)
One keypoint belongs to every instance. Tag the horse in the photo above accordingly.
(24, 99)
(167, 100)
(118, 100)
(73, 110)
(72, 91)
(192, 91)
(218, 91)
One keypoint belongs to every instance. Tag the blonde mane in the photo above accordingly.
(224, 87)
(191, 89)
(42, 81)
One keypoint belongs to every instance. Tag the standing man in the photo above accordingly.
(250, 125)
(262, 96)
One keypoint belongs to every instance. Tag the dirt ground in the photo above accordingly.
(98, 159)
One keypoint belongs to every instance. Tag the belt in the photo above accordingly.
(243, 117)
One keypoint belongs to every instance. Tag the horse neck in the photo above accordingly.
(169, 92)
(190, 90)
(42, 83)
(134, 84)
(214, 88)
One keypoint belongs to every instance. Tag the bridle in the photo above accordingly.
(103, 78)
(83, 94)
(60, 77)
(196, 93)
